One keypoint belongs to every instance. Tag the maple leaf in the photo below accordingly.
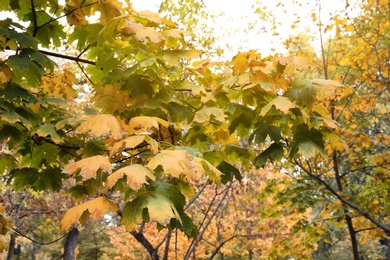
(143, 33)
(172, 57)
(159, 209)
(95, 208)
(100, 125)
(240, 63)
(144, 125)
(135, 175)
(88, 167)
(281, 103)
(174, 163)
(127, 143)
(209, 113)
(48, 131)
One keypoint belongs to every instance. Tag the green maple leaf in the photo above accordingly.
(150, 206)
(273, 153)
(307, 142)
(13, 92)
(228, 171)
(8, 162)
(48, 131)
(23, 177)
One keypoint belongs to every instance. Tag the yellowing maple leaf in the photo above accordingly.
(160, 209)
(89, 166)
(205, 168)
(143, 33)
(174, 163)
(100, 125)
(208, 113)
(127, 143)
(96, 208)
(135, 175)
(144, 125)
(281, 103)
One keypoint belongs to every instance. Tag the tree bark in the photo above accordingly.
(11, 247)
(70, 244)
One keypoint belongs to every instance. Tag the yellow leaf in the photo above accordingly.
(2, 246)
(175, 33)
(281, 103)
(6, 223)
(208, 113)
(135, 175)
(240, 63)
(6, 74)
(100, 125)
(127, 143)
(143, 33)
(295, 64)
(89, 166)
(96, 208)
(144, 125)
(174, 163)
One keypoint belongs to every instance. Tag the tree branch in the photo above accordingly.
(62, 56)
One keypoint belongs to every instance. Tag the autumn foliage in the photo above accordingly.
(114, 122)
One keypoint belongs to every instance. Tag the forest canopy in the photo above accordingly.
(127, 134)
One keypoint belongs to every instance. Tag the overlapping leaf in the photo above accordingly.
(136, 176)
(95, 208)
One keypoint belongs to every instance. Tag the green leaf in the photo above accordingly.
(263, 131)
(8, 162)
(307, 142)
(228, 171)
(48, 131)
(24, 67)
(171, 192)
(159, 209)
(13, 92)
(179, 113)
(23, 177)
(273, 153)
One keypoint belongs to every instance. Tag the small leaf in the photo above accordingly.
(96, 208)
(88, 167)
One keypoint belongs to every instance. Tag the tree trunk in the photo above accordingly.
(11, 248)
(70, 244)
(386, 243)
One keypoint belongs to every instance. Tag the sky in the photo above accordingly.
(238, 15)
